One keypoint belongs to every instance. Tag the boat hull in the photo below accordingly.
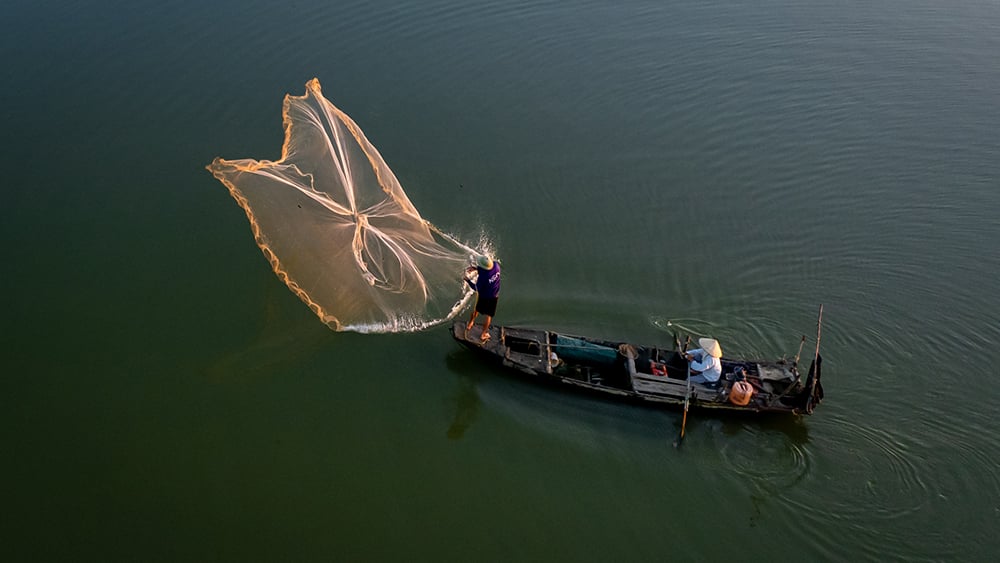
(637, 374)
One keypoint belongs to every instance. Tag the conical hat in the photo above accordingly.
(711, 347)
(484, 262)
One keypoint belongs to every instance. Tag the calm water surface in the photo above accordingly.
(726, 165)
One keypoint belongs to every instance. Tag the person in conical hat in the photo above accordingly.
(705, 364)
(487, 288)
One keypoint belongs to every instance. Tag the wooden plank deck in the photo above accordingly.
(662, 386)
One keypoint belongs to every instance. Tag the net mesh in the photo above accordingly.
(337, 228)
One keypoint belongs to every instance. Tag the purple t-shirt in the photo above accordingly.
(488, 283)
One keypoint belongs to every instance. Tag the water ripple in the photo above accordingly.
(771, 460)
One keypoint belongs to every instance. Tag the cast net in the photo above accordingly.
(337, 228)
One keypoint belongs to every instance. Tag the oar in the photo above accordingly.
(687, 402)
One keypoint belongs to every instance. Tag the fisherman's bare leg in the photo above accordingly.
(486, 328)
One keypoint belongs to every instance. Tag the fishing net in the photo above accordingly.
(333, 221)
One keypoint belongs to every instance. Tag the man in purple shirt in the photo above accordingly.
(487, 289)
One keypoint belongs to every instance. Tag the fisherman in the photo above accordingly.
(487, 288)
(705, 364)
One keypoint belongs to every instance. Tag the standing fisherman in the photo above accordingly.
(487, 288)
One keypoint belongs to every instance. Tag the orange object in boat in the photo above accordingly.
(741, 393)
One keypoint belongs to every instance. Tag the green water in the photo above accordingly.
(730, 165)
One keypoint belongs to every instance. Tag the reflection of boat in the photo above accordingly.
(645, 374)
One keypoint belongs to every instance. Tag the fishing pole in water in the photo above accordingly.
(799, 353)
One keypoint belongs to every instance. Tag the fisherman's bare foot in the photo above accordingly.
(485, 337)
(468, 326)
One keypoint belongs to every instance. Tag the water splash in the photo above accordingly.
(337, 228)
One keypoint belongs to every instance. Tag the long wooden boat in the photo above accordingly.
(647, 374)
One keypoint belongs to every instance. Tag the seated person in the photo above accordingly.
(705, 364)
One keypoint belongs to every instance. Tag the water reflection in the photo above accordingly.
(279, 338)
(466, 404)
